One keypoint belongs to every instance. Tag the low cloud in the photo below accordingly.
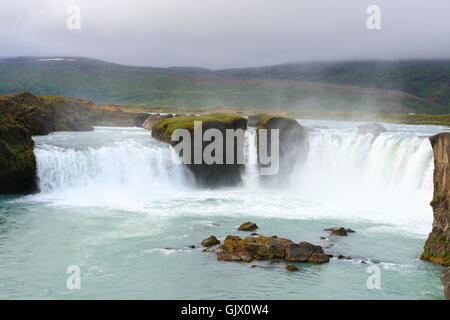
(224, 33)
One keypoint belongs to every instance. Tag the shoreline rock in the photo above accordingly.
(18, 173)
(437, 246)
(23, 115)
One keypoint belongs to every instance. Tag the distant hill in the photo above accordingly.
(429, 80)
(410, 86)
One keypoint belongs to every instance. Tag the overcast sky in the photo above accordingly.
(225, 33)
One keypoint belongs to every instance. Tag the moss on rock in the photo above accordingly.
(23, 115)
(163, 129)
(235, 248)
(17, 161)
(207, 174)
(437, 246)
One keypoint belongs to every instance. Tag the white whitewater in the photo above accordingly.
(387, 179)
(390, 176)
(125, 166)
(113, 203)
(117, 172)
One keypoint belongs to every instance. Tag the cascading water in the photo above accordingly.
(251, 173)
(129, 169)
(386, 179)
(113, 203)
(126, 166)
(389, 176)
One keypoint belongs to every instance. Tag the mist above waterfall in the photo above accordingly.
(387, 179)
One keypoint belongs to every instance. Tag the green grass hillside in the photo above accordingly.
(429, 80)
(338, 89)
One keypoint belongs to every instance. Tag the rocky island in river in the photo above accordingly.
(23, 115)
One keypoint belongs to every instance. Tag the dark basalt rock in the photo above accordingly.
(17, 160)
(293, 143)
(207, 174)
(306, 252)
(372, 128)
(248, 226)
(210, 241)
(339, 231)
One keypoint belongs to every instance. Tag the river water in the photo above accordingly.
(113, 204)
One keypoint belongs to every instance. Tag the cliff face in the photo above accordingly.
(206, 174)
(293, 143)
(17, 162)
(23, 115)
(437, 247)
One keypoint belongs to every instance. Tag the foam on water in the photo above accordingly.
(387, 179)
(113, 203)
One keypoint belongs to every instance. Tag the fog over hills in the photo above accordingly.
(420, 86)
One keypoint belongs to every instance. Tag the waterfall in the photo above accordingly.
(129, 169)
(344, 175)
(251, 173)
(390, 174)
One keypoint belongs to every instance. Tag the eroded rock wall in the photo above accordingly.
(23, 115)
(437, 246)
(207, 174)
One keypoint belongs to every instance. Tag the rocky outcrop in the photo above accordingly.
(255, 120)
(207, 174)
(445, 277)
(17, 161)
(247, 249)
(374, 129)
(339, 231)
(306, 252)
(23, 115)
(153, 119)
(235, 248)
(248, 226)
(293, 141)
(45, 114)
(437, 246)
(210, 241)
